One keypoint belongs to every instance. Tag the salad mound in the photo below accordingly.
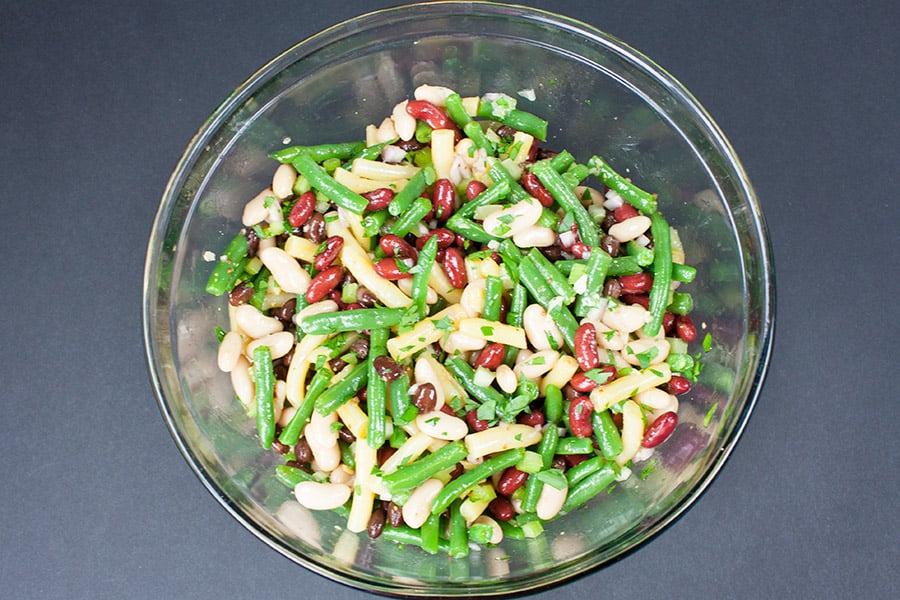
(450, 332)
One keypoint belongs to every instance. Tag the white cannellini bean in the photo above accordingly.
(256, 211)
(540, 328)
(279, 343)
(423, 372)
(497, 535)
(595, 195)
(283, 181)
(535, 236)
(291, 277)
(322, 496)
(436, 94)
(287, 413)
(506, 379)
(537, 364)
(460, 342)
(629, 229)
(625, 317)
(644, 347)
(343, 474)
(242, 382)
(632, 431)
(255, 324)
(318, 431)
(550, 502)
(404, 123)
(325, 458)
(442, 426)
(609, 338)
(472, 299)
(418, 505)
(385, 131)
(229, 351)
(513, 219)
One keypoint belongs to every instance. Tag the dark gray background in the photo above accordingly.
(98, 100)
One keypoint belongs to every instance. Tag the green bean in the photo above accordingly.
(547, 446)
(229, 267)
(373, 222)
(662, 272)
(510, 531)
(407, 535)
(358, 319)
(402, 409)
(291, 433)
(562, 161)
(412, 190)
(260, 284)
(642, 254)
(456, 110)
(491, 195)
(264, 380)
(469, 229)
(431, 534)
(398, 437)
(459, 537)
(291, 476)
(374, 151)
(465, 482)
(682, 303)
(588, 487)
(574, 445)
(533, 488)
(553, 402)
(416, 212)
(583, 469)
(423, 268)
(412, 475)
(493, 290)
(633, 195)
(624, 265)
(376, 390)
(606, 434)
(325, 183)
(348, 456)
(499, 173)
(597, 266)
(517, 303)
(473, 131)
(517, 119)
(319, 153)
(556, 280)
(343, 390)
(576, 174)
(570, 203)
(423, 132)
(465, 375)
(683, 273)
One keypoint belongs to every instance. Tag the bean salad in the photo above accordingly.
(449, 332)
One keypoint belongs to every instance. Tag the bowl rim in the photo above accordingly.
(298, 51)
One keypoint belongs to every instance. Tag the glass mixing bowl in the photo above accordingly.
(600, 96)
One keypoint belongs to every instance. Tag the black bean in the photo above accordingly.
(285, 312)
(610, 245)
(612, 287)
(394, 515)
(609, 220)
(559, 462)
(543, 153)
(425, 398)
(409, 145)
(280, 448)
(314, 229)
(302, 451)
(336, 364)
(365, 298)
(570, 393)
(252, 241)
(552, 253)
(240, 294)
(346, 435)
(361, 347)
(387, 368)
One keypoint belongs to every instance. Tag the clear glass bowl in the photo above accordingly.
(600, 96)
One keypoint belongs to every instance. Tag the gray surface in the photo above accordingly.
(97, 103)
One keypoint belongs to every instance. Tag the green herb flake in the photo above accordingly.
(537, 360)
(336, 426)
(599, 376)
(648, 355)
(487, 330)
(709, 414)
(444, 324)
(433, 420)
(707, 342)
(651, 466)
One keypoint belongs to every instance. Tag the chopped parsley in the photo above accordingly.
(486, 330)
(651, 466)
(707, 342)
(598, 376)
(647, 356)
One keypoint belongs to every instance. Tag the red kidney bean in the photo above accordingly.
(352, 306)
(684, 328)
(573, 460)
(329, 253)
(379, 198)
(582, 383)
(387, 268)
(641, 299)
(475, 424)
(384, 453)
(617, 420)
(580, 411)
(303, 208)
(396, 246)
(425, 397)
(534, 187)
(447, 410)
(455, 267)
(323, 283)
(443, 199)
(580, 250)
(532, 419)
(445, 238)
(387, 368)
(679, 385)
(511, 480)
(637, 283)
(491, 356)
(502, 508)
(668, 322)
(625, 212)
(586, 352)
(660, 430)
(474, 188)
(314, 229)
(433, 116)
